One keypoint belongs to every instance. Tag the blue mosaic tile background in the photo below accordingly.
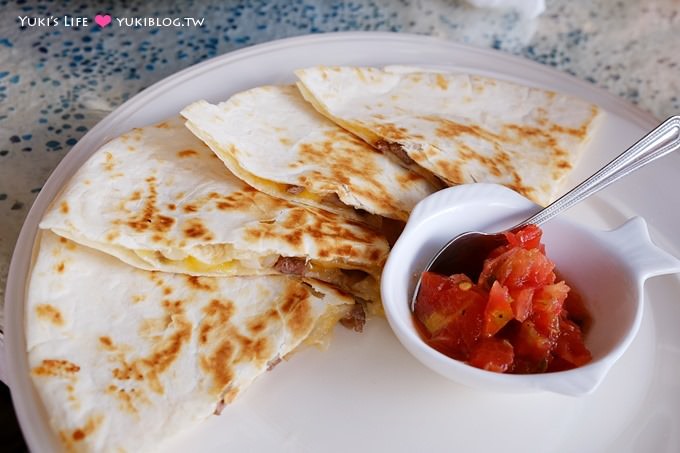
(56, 82)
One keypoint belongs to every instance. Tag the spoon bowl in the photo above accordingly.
(465, 253)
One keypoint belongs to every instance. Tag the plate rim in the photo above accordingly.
(18, 379)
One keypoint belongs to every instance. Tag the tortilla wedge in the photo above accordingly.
(276, 142)
(459, 128)
(123, 358)
(159, 199)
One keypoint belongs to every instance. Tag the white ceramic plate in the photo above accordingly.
(366, 393)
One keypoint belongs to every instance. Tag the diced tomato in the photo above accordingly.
(528, 268)
(515, 319)
(570, 346)
(498, 310)
(531, 345)
(559, 364)
(518, 268)
(521, 302)
(431, 286)
(528, 237)
(547, 306)
(577, 310)
(432, 307)
(452, 315)
(492, 354)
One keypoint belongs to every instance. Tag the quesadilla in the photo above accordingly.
(459, 128)
(124, 358)
(159, 199)
(276, 142)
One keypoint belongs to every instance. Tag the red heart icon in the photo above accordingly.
(102, 21)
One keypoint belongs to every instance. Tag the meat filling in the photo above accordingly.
(294, 190)
(356, 318)
(354, 281)
(394, 148)
(353, 276)
(273, 362)
(332, 199)
(219, 407)
(291, 265)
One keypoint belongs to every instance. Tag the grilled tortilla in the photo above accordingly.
(124, 358)
(159, 199)
(276, 142)
(460, 128)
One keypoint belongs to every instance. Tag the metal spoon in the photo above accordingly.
(465, 253)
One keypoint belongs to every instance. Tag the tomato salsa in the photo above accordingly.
(516, 318)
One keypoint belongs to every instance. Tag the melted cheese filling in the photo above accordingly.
(320, 335)
(194, 265)
(367, 287)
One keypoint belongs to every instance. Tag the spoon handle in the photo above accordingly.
(659, 142)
